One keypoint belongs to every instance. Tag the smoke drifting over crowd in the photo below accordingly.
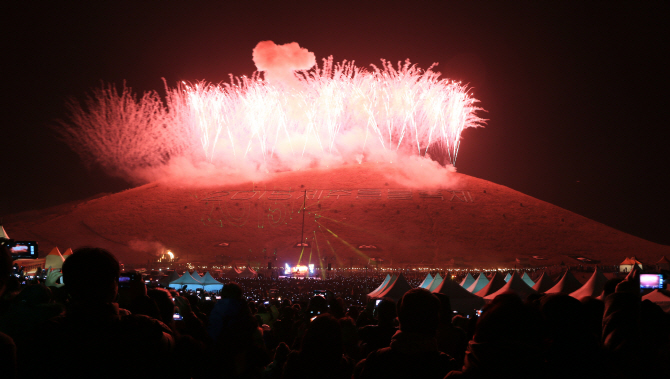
(292, 116)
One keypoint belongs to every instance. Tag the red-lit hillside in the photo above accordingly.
(353, 213)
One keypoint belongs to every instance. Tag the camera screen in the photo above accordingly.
(23, 250)
(377, 303)
(177, 316)
(124, 279)
(651, 281)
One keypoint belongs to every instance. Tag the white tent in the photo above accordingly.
(526, 278)
(232, 273)
(479, 283)
(426, 282)
(593, 287)
(388, 280)
(461, 300)
(196, 276)
(467, 281)
(568, 284)
(247, 273)
(437, 280)
(54, 259)
(186, 280)
(3, 233)
(497, 282)
(508, 277)
(396, 289)
(544, 283)
(210, 284)
(659, 297)
(516, 285)
(628, 264)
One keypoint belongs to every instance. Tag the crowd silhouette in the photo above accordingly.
(91, 327)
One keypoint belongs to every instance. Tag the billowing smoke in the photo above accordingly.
(154, 248)
(334, 114)
(280, 61)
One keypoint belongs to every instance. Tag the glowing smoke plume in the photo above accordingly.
(287, 120)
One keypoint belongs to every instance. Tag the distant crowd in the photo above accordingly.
(92, 327)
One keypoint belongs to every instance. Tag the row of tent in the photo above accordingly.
(193, 281)
(471, 294)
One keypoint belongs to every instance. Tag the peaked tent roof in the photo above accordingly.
(234, 271)
(3, 233)
(478, 284)
(567, 284)
(67, 253)
(186, 280)
(426, 282)
(54, 259)
(593, 287)
(544, 283)
(467, 281)
(247, 273)
(436, 282)
(659, 297)
(663, 260)
(496, 283)
(526, 278)
(396, 289)
(196, 276)
(508, 277)
(211, 284)
(174, 275)
(516, 285)
(382, 286)
(461, 299)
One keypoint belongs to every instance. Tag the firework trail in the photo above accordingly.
(293, 115)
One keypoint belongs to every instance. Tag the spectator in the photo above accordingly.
(378, 336)
(413, 351)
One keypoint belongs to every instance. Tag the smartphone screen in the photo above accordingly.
(651, 281)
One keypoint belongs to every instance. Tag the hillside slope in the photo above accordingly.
(473, 221)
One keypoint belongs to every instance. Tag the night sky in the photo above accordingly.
(576, 92)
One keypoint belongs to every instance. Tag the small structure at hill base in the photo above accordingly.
(387, 281)
(395, 290)
(660, 298)
(210, 284)
(436, 282)
(663, 264)
(628, 264)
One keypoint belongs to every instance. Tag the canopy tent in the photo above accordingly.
(247, 273)
(497, 282)
(210, 284)
(388, 280)
(196, 276)
(478, 284)
(436, 282)
(593, 287)
(526, 278)
(426, 282)
(516, 285)
(3, 233)
(54, 259)
(544, 283)
(396, 289)
(186, 280)
(660, 298)
(568, 284)
(663, 264)
(462, 301)
(467, 281)
(628, 264)
(508, 277)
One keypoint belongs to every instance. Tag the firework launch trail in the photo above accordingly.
(289, 115)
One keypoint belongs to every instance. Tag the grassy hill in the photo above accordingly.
(353, 213)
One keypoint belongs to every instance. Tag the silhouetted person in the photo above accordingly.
(507, 340)
(413, 352)
(450, 339)
(7, 346)
(378, 336)
(321, 352)
(92, 339)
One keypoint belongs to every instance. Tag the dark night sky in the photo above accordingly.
(576, 91)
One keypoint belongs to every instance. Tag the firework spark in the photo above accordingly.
(333, 114)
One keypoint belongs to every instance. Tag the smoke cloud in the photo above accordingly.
(279, 61)
(154, 248)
